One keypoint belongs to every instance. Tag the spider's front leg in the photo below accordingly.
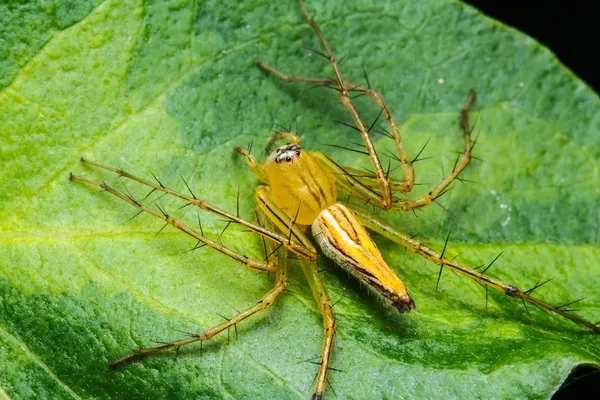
(385, 199)
(274, 243)
(291, 245)
(362, 184)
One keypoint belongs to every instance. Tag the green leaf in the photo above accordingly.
(171, 87)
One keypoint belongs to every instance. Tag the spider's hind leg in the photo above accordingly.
(417, 247)
(268, 299)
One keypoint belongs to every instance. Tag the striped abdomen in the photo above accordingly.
(342, 238)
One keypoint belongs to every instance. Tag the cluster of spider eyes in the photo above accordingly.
(288, 158)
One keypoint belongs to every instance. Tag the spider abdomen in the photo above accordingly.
(342, 238)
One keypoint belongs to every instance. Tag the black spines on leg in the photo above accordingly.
(568, 304)
(329, 383)
(440, 205)
(348, 148)
(325, 84)
(284, 129)
(441, 258)
(226, 319)
(526, 309)
(237, 203)
(160, 230)
(444, 192)
(149, 193)
(163, 211)
(188, 188)
(356, 96)
(292, 222)
(492, 263)
(223, 231)
(537, 285)
(375, 122)
(417, 159)
(337, 301)
(190, 334)
(366, 77)
(486, 297)
(234, 325)
(136, 214)
(346, 124)
(274, 250)
(157, 180)
(186, 205)
(197, 246)
(130, 196)
(250, 145)
(387, 173)
(474, 142)
(455, 163)
(167, 217)
(463, 180)
(359, 144)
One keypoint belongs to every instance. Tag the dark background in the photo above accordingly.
(571, 30)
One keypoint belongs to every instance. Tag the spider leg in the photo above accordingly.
(359, 184)
(415, 246)
(461, 164)
(250, 263)
(291, 245)
(385, 200)
(320, 294)
(270, 211)
(268, 299)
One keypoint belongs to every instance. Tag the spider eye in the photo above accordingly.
(288, 159)
(298, 153)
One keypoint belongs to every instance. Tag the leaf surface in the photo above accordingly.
(170, 87)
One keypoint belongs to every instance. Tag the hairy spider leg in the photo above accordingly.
(377, 225)
(268, 299)
(396, 185)
(361, 184)
(382, 179)
(270, 211)
(291, 245)
(250, 263)
(283, 222)
(279, 267)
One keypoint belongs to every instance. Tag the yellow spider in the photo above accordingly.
(299, 195)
